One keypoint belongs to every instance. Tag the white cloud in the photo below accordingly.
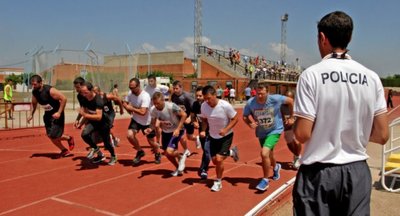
(149, 47)
(276, 49)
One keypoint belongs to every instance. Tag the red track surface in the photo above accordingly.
(34, 183)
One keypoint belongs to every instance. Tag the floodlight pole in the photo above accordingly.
(284, 20)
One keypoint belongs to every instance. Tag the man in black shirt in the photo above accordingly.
(205, 143)
(97, 121)
(184, 100)
(78, 82)
(53, 103)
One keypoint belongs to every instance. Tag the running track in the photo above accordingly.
(34, 183)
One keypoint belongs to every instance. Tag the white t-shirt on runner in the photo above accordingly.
(140, 101)
(341, 97)
(159, 88)
(218, 117)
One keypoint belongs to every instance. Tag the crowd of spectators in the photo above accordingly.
(255, 67)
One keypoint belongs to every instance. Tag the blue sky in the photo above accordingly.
(251, 26)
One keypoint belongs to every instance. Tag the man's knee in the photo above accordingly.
(131, 134)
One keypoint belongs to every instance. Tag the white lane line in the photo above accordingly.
(84, 206)
(77, 189)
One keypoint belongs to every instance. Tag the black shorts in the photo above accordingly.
(221, 146)
(189, 128)
(169, 141)
(332, 189)
(136, 127)
(54, 127)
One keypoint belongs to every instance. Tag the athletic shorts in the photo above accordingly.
(332, 189)
(221, 146)
(189, 128)
(270, 141)
(54, 127)
(136, 127)
(289, 136)
(169, 141)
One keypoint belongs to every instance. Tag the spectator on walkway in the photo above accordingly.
(389, 99)
(8, 98)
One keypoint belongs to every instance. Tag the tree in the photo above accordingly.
(16, 79)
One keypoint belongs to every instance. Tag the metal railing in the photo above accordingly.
(388, 150)
(20, 113)
(272, 70)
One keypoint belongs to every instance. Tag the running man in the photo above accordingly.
(205, 143)
(116, 94)
(219, 117)
(78, 82)
(138, 104)
(263, 114)
(293, 144)
(151, 88)
(185, 101)
(108, 109)
(171, 118)
(97, 123)
(53, 103)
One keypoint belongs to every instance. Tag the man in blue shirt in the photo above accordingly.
(262, 113)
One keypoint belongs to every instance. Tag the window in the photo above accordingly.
(212, 83)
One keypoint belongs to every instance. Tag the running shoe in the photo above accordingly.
(64, 153)
(157, 158)
(116, 141)
(92, 152)
(235, 153)
(139, 155)
(263, 185)
(113, 160)
(217, 186)
(182, 161)
(176, 173)
(203, 175)
(100, 158)
(187, 152)
(296, 162)
(71, 143)
(277, 170)
(198, 143)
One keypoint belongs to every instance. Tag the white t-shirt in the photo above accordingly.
(232, 92)
(218, 117)
(168, 117)
(140, 101)
(341, 97)
(159, 88)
